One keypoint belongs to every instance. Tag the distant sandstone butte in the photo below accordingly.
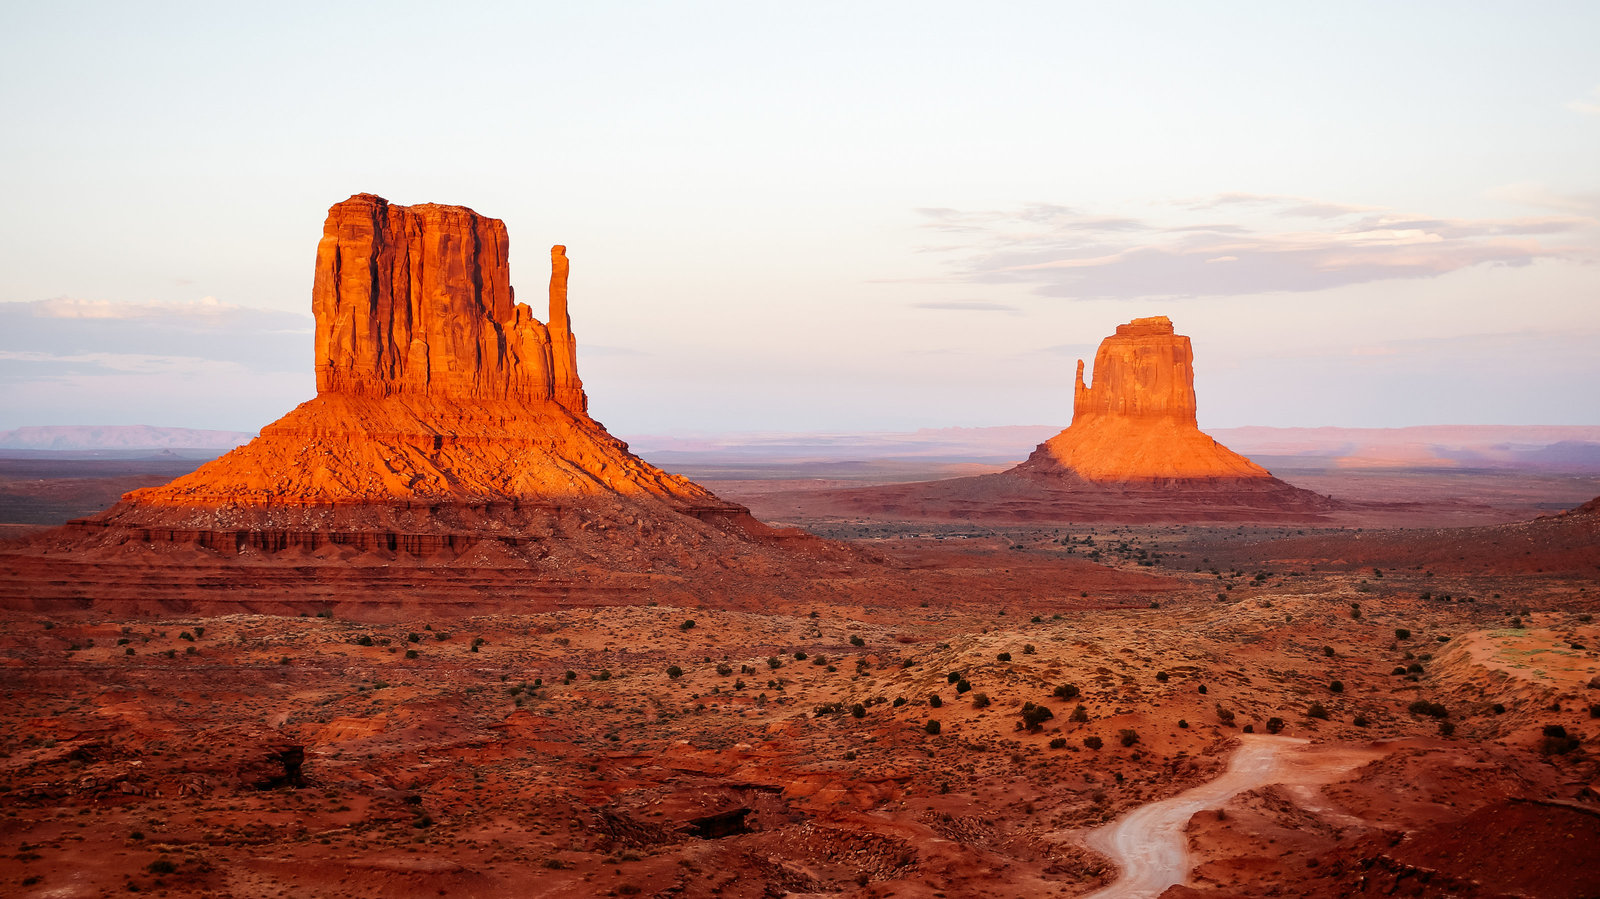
(1137, 423)
(446, 417)
(1133, 453)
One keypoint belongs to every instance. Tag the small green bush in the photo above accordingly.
(1034, 716)
(1067, 691)
(1127, 736)
(674, 672)
(1431, 709)
(932, 727)
(1093, 742)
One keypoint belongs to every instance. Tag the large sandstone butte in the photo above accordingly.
(1137, 423)
(449, 425)
(1133, 453)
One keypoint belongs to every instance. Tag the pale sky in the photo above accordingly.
(826, 216)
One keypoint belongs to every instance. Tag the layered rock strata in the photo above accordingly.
(447, 418)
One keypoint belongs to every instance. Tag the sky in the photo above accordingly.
(825, 216)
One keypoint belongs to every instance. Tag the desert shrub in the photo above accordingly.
(1556, 740)
(1355, 610)
(1248, 728)
(1093, 742)
(1127, 736)
(932, 727)
(774, 663)
(570, 676)
(980, 700)
(441, 636)
(1498, 708)
(963, 686)
(1274, 724)
(855, 640)
(190, 637)
(1003, 657)
(1360, 721)
(686, 625)
(1058, 742)
(1401, 633)
(413, 637)
(1414, 668)
(674, 672)
(1183, 724)
(1079, 715)
(1398, 670)
(1029, 649)
(724, 669)
(934, 700)
(1594, 711)
(1034, 715)
(1067, 691)
(363, 640)
(899, 701)
(1327, 651)
(819, 660)
(858, 711)
(1317, 710)
(161, 866)
(412, 653)
(1447, 728)
(1163, 677)
(799, 657)
(1225, 715)
(1201, 690)
(1429, 708)
(953, 676)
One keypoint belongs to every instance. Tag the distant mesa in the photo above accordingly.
(1137, 423)
(448, 421)
(1134, 452)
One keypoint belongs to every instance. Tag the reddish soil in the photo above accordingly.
(135, 756)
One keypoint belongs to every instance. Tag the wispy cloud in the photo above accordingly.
(1263, 243)
(971, 306)
(1587, 106)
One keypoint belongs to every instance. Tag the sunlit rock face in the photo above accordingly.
(1137, 422)
(418, 300)
(445, 414)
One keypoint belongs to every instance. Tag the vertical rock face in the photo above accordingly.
(1145, 370)
(1137, 422)
(418, 300)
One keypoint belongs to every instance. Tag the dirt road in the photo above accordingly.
(1148, 843)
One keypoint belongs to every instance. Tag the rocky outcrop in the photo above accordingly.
(1137, 422)
(448, 420)
(418, 300)
(1145, 370)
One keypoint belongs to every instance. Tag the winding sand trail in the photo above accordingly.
(1148, 843)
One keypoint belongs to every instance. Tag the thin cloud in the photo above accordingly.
(1588, 106)
(1277, 243)
(973, 306)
